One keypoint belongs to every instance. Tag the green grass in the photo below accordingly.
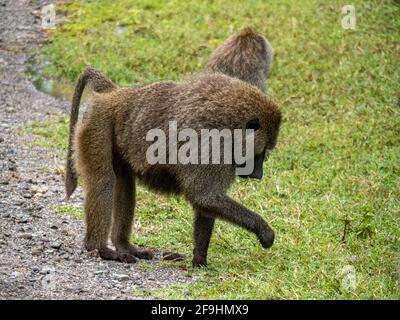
(51, 134)
(68, 210)
(336, 166)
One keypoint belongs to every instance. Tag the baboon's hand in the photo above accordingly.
(266, 236)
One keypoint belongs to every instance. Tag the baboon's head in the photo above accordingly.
(235, 104)
(265, 122)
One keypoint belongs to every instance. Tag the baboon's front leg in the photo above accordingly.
(202, 230)
(123, 210)
(220, 205)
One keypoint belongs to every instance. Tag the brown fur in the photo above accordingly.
(110, 154)
(246, 56)
(100, 84)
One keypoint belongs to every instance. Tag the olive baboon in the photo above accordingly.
(110, 155)
(246, 56)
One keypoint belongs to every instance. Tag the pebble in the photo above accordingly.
(36, 251)
(55, 245)
(78, 288)
(121, 277)
(16, 274)
(47, 270)
(22, 219)
(98, 272)
(27, 236)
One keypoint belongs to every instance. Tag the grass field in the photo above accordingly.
(331, 189)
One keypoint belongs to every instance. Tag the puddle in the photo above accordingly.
(53, 87)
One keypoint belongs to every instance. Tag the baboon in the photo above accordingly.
(246, 56)
(110, 155)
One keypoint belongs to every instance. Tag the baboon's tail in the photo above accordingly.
(100, 84)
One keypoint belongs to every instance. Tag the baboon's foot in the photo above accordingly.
(108, 254)
(172, 256)
(130, 249)
(199, 261)
(266, 237)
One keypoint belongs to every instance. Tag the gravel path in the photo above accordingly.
(41, 254)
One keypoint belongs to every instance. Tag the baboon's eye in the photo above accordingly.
(253, 124)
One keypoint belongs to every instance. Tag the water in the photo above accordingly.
(53, 87)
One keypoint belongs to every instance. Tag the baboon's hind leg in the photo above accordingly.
(98, 207)
(124, 209)
(94, 156)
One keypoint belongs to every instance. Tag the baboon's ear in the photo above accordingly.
(253, 124)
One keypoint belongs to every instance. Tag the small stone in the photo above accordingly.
(27, 236)
(187, 293)
(55, 245)
(39, 190)
(22, 219)
(36, 251)
(16, 274)
(121, 277)
(46, 270)
(77, 289)
(78, 260)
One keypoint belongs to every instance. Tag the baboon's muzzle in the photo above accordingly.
(258, 167)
